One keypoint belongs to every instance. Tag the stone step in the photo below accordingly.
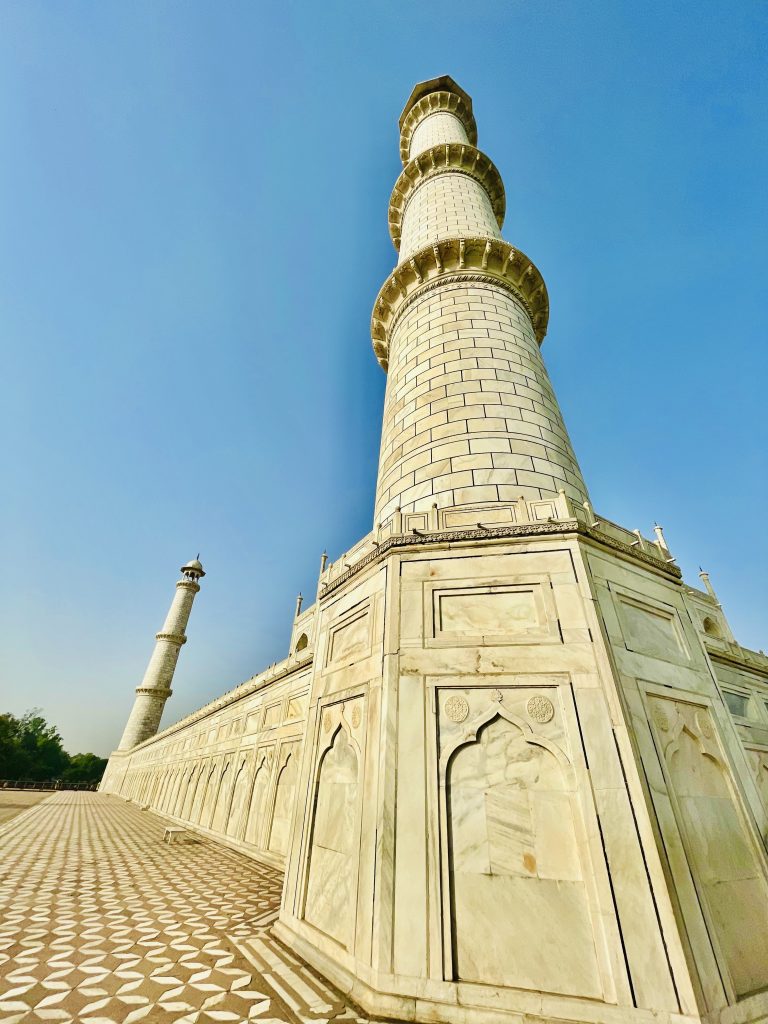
(303, 991)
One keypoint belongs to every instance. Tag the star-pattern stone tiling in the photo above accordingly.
(101, 922)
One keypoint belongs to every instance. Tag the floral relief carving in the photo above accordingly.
(540, 709)
(704, 724)
(456, 708)
(661, 718)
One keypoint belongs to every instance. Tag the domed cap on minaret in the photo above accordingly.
(444, 83)
(436, 94)
(194, 569)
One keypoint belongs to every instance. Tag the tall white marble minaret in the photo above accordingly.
(155, 688)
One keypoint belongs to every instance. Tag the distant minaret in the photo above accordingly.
(155, 687)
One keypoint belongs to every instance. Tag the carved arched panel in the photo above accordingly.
(285, 789)
(194, 778)
(237, 804)
(518, 890)
(331, 900)
(255, 823)
(726, 863)
(221, 805)
(204, 797)
(184, 793)
(171, 790)
(758, 760)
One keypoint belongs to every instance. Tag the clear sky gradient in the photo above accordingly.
(193, 228)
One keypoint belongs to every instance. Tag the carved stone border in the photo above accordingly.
(432, 103)
(441, 159)
(454, 259)
(407, 540)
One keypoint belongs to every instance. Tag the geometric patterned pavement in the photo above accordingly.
(102, 922)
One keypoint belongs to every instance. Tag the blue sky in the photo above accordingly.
(193, 228)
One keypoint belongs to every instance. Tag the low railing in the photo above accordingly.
(47, 784)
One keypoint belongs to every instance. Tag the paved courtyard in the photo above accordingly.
(14, 801)
(100, 921)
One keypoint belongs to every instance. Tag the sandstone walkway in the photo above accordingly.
(14, 801)
(102, 922)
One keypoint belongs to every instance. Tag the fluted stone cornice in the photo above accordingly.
(431, 104)
(458, 259)
(154, 691)
(440, 159)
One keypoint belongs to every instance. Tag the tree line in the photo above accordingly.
(31, 749)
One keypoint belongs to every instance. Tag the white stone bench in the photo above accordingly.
(172, 833)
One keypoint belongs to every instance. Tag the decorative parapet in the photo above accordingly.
(458, 259)
(155, 691)
(188, 585)
(275, 672)
(495, 521)
(446, 157)
(433, 102)
(733, 653)
(172, 638)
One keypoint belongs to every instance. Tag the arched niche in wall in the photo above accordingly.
(239, 798)
(203, 800)
(255, 823)
(517, 886)
(221, 802)
(331, 900)
(282, 809)
(720, 843)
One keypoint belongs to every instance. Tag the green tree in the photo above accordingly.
(43, 744)
(14, 762)
(30, 748)
(85, 768)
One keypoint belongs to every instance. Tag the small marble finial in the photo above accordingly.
(704, 577)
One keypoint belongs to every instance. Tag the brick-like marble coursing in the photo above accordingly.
(470, 414)
(442, 126)
(450, 205)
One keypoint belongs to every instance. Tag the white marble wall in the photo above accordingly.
(515, 840)
(229, 770)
